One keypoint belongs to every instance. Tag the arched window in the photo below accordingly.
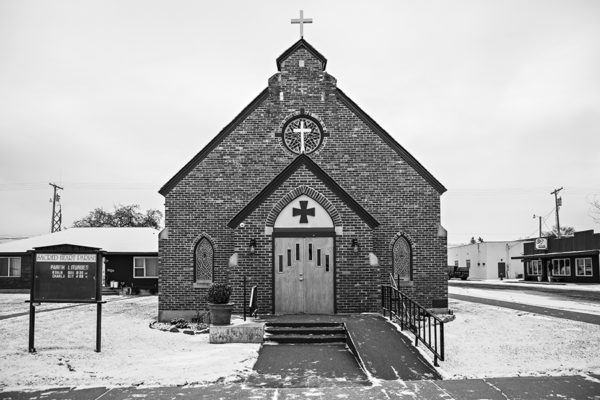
(402, 259)
(204, 258)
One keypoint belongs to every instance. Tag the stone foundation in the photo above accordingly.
(239, 331)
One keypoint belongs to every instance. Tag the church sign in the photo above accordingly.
(64, 277)
(66, 274)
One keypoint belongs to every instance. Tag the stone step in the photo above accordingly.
(295, 330)
(308, 338)
(305, 324)
(107, 291)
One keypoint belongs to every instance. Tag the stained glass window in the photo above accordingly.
(204, 260)
(402, 259)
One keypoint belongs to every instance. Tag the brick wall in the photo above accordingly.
(247, 159)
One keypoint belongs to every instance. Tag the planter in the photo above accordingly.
(220, 314)
(539, 278)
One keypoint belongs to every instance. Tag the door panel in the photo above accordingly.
(304, 275)
(318, 276)
(288, 286)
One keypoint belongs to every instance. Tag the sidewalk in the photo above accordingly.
(550, 312)
(525, 388)
(528, 285)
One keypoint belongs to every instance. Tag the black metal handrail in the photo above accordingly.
(426, 326)
(250, 305)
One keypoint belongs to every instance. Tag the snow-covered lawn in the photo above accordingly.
(132, 353)
(15, 303)
(486, 341)
(540, 299)
(519, 284)
(483, 341)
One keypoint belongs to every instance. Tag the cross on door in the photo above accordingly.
(303, 212)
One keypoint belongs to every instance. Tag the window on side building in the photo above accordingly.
(583, 266)
(561, 267)
(468, 263)
(145, 267)
(10, 267)
(534, 267)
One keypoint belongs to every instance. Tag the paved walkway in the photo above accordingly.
(522, 388)
(551, 312)
(306, 365)
(383, 350)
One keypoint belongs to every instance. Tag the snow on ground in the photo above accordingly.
(541, 299)
(132, 353)
(15, 303)
(483, 341)
(521, 284)
(487, 341)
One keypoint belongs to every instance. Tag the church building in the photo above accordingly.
(306, 197)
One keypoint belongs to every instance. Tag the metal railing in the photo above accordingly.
(426, 326)
(250, 306)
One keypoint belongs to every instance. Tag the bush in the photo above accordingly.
(218, 293)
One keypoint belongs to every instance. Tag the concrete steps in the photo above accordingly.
(305, 332)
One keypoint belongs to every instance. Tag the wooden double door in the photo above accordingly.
(304, 269)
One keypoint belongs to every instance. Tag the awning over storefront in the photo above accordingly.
(557, 254)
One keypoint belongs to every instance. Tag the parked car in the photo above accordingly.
(458, 272)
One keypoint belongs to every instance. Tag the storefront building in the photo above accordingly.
(566, 259)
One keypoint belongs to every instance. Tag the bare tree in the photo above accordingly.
(564, 231)
(123, 216)
(595, 210)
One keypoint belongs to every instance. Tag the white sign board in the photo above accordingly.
(65, 257)
(541, 244)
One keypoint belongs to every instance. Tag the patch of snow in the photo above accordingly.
(132, 352)
(540, 299)
(486, 341)
(520, 284)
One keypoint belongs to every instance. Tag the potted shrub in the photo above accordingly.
(218, 303)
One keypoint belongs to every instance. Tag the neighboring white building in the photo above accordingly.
(486, 260)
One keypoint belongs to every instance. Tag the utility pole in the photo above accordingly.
(540, 218)
(56, 220)
(558, 203)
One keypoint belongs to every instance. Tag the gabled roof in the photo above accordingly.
(402, 152)
(303, 160)
(213, 143)
(301, 44)
(167, 187)
(112, 240)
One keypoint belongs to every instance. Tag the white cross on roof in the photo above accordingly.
(302, 21)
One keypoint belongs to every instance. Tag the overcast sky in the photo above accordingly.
(499, 100)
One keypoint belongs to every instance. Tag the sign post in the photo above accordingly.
(66, 274)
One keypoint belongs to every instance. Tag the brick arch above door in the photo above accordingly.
(294, 194)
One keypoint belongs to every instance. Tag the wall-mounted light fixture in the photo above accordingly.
(355, 245)
(252, 246)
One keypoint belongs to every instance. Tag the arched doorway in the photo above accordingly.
(304, 258)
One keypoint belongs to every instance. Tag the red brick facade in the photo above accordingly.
(361, 172)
